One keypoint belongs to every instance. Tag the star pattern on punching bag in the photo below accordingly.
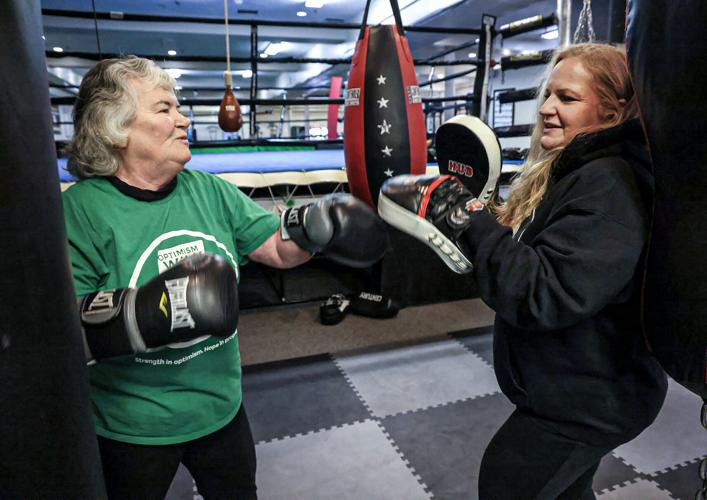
(385, 126)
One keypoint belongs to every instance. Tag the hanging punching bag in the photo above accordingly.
(384, 126)
(229, 113)
(48, 446)
(667, 53)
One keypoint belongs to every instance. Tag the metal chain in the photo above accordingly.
(586, 22)
(702, 492)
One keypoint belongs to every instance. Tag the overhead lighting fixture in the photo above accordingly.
(550, 35)
(172, 52)
(264, 56)
(301, 13)
(472, 55)
(522, 22)
(43, 37)
(246, 73)
(411, 13)
(277, 47)
(57, 49)
(174, 72)
(506, 52)
(314, 4)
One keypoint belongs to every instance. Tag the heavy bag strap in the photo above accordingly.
(396, 15)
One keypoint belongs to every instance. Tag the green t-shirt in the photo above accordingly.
(186, 390)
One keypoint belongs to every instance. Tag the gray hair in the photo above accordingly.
(106, 105)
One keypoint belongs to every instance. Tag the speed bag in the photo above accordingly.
(667, 51)
(384, 126)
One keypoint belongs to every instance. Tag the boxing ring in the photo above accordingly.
(297, 170)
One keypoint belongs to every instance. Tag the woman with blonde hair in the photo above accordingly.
(565, 283)
(612, 90)
(561, 263)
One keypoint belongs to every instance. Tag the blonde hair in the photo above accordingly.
(106, 105)
(612, 84)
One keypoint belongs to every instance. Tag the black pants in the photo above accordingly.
(222, 464)
(526, 460)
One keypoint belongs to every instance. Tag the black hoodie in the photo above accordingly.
(568, 345)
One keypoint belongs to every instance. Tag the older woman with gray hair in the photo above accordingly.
(137, 212)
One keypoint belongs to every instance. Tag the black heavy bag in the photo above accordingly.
(667, 52)
(48, 443)
(384, 126)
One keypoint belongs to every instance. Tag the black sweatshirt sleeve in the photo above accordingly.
(577, 264)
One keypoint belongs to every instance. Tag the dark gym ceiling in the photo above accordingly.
(154, 38)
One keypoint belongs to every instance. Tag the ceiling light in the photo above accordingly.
(472, 55)
(264, 55)
(246, 73)
(411, 13)
(506, 52)
(301, 13)
(314, 4)
(440, 75)
(43, 37)
(174, 72)
(550, 35)
(522, 22)
(178, 87)
(57, 49)
(276, 48)
(172, 52)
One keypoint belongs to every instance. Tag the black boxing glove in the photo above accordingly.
(435, 210)
(197, 297)
(334, 310)
(339, 226)
(374, 305)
